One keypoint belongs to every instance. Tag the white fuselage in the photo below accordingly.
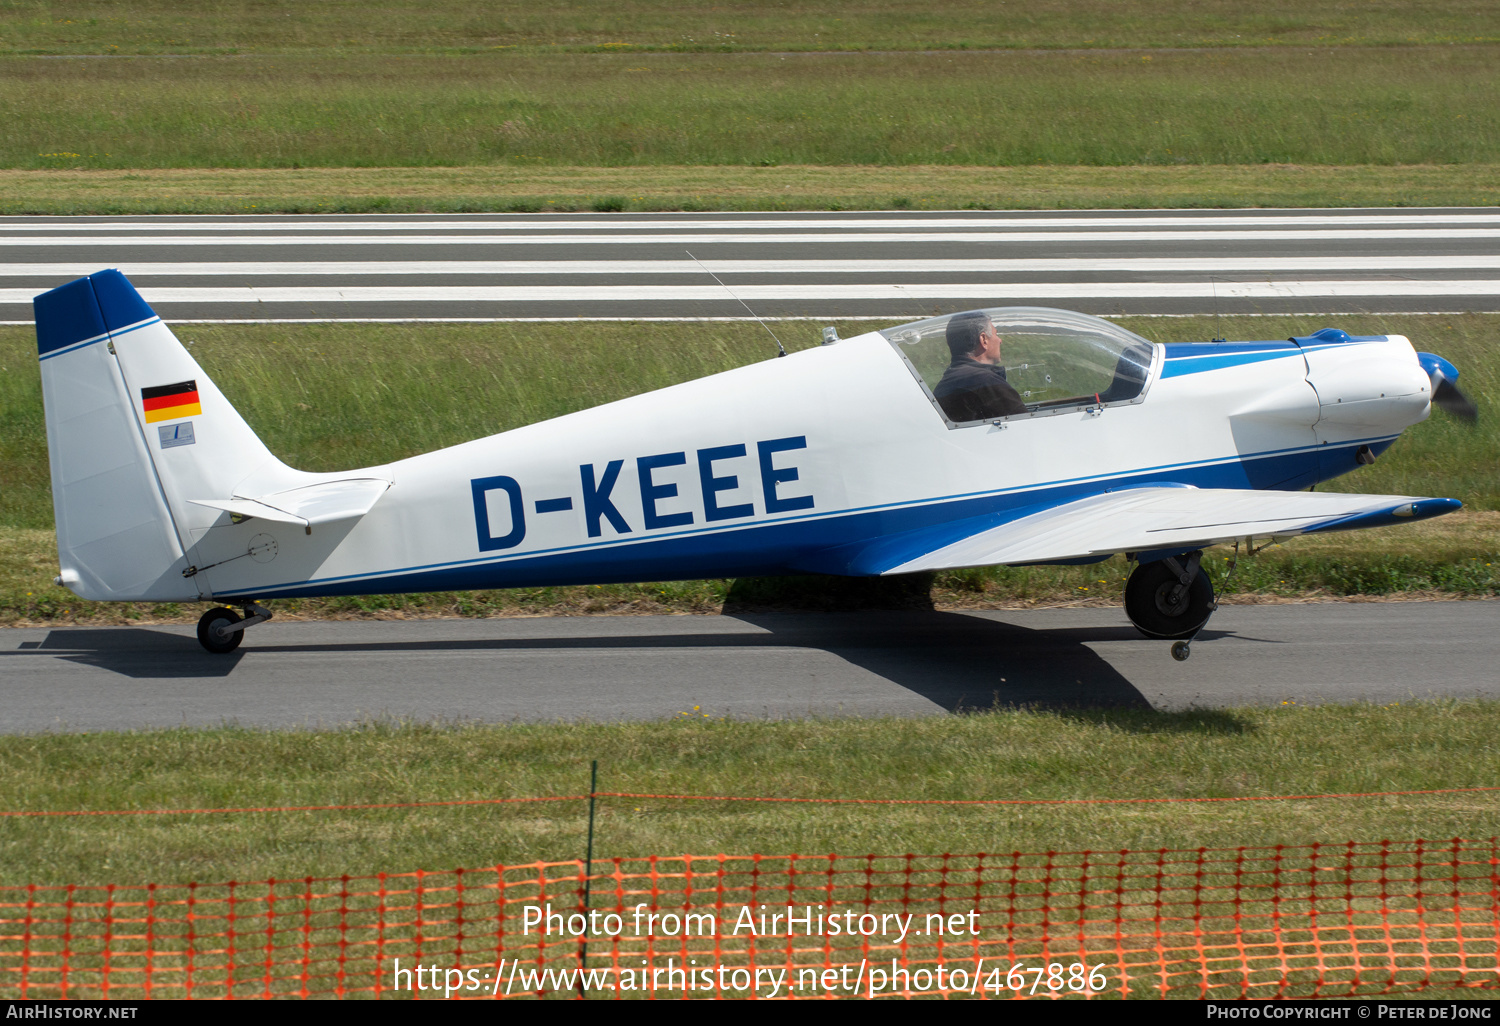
(793, 464)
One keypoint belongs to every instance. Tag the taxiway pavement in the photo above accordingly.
(786, 665)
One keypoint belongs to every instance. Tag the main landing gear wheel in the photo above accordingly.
(211, 632)
(1161, 605)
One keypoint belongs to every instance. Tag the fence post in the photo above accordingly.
(588, 872)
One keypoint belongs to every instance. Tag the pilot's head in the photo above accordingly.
(972, 334)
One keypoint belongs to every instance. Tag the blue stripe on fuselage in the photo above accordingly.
(810, 544)
(1197, 357)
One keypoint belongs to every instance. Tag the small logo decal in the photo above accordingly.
(176, 434)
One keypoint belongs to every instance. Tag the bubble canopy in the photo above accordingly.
(1055, 361)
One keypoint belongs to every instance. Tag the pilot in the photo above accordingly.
(974, 386)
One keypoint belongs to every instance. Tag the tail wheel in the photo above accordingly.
(211, 633)
(1161, 607)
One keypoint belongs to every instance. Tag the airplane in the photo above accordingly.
(865, 456)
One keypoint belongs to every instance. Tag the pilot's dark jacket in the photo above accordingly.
(970, 390)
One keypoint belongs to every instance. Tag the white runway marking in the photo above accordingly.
(760, 238)
(643, 318)
(713, 293)
(635, 266)
(1081, 265)
(552, 224)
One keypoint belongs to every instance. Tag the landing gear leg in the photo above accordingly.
(1172, 599)
(221, 630)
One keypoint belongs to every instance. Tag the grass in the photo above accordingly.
(1023, 755)
(328, 397)
(650, 105)
(1009, 754)
(112, 27)
(332, 107)
(795, 187)
(1336, 107)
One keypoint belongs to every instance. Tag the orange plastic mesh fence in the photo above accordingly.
(1310, 921)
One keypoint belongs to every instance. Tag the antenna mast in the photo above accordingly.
(780, 349)
(1213, 284)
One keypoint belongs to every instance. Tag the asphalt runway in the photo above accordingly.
(896, 266)
(291, 675)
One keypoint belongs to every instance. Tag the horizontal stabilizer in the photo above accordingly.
(1152, 519)
(308, 505)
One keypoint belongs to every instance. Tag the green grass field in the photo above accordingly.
(784, 187)
(1382, 103)
(1011, 754)
(110, 27)
(331, 397)
(1335, 107)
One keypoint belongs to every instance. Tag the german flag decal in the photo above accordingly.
(171, 402)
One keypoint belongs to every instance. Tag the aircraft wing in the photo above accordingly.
(1150, 519)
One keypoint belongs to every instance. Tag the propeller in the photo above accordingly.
(1446, 395)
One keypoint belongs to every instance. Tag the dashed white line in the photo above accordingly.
(828, 292)
(721, 237)
(1081, 265)
(315, 223)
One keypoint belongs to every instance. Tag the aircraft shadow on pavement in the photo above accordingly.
(970, 664)
(138, 652)
(963, 664)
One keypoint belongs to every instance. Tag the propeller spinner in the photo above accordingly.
(1445, 392)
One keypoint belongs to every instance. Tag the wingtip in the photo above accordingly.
(1424, 509)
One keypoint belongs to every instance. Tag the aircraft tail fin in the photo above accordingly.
(135, 431)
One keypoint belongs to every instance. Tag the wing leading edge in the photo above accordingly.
(1153, 519)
